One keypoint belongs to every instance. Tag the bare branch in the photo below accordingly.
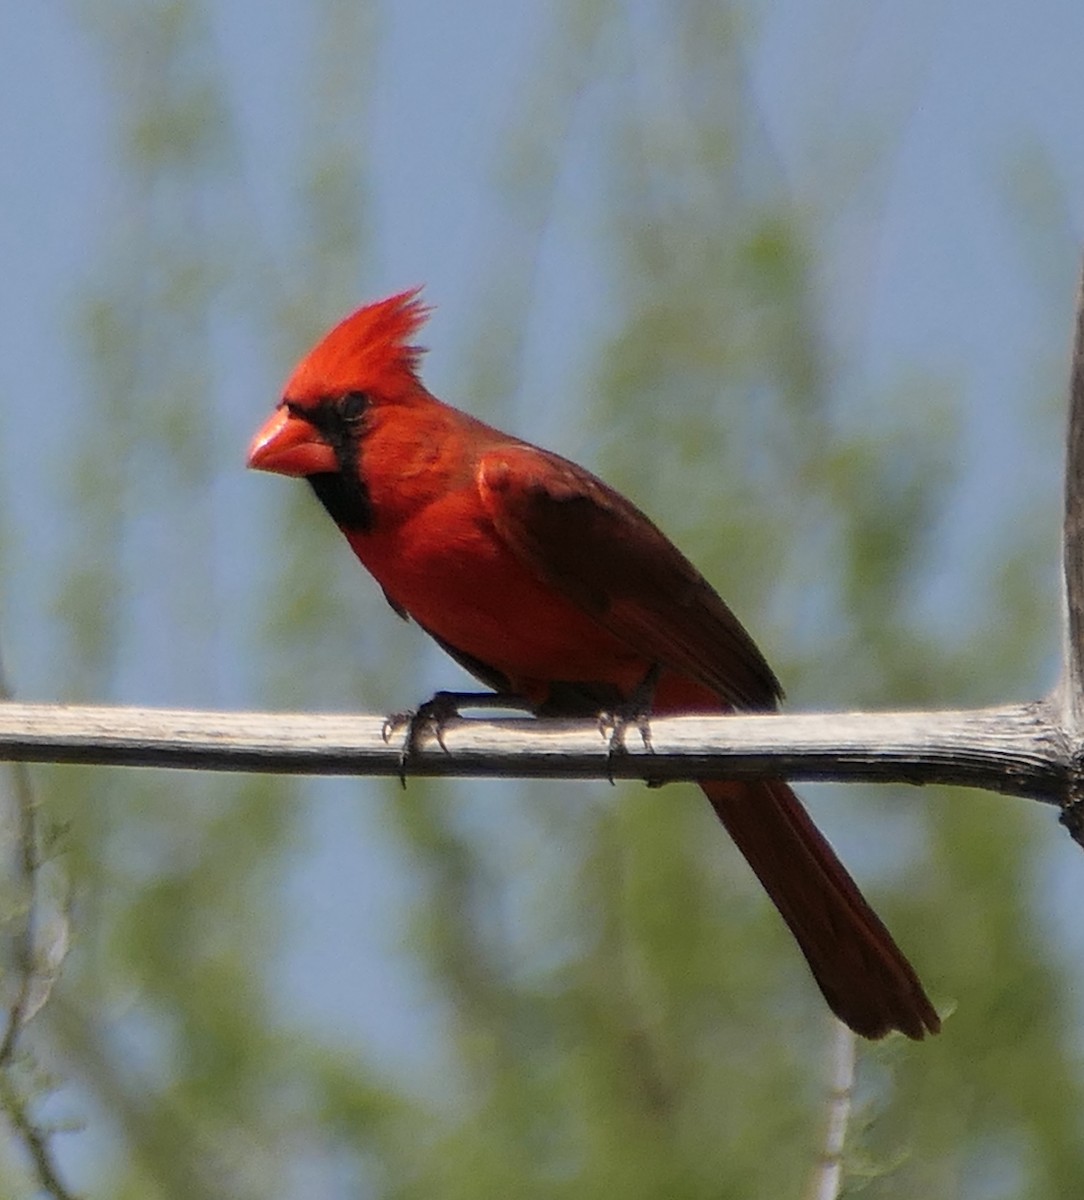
(31, 983)
(1017, 749)
(1074, 528)
(34, 1139)
(1072, 683)
(827, 1179)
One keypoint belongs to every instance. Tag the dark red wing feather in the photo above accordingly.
(600, 551)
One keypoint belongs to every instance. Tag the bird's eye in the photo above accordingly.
(353, 405)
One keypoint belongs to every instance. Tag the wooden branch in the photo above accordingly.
(827, 1181)
(1034, 750)
(1017, 749)
(32, 970)
(1073, 545)
(1072, 682)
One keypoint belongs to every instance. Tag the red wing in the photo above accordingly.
(598, 549)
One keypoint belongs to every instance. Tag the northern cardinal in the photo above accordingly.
(547, 584)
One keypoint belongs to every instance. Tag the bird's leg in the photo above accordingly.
(435, 713)
(635, 709)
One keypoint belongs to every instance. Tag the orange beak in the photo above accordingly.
(289, 445)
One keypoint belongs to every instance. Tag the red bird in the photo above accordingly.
(547, 584)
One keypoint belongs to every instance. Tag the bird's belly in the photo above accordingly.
(466, 587)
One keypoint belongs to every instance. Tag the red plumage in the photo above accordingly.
(547, 583)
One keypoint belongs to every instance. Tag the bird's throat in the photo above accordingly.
(345, 496)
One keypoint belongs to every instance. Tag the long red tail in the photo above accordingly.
(863, 974)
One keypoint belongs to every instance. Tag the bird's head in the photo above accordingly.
(366, 361)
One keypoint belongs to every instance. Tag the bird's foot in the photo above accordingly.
(613, 724)
(433, 716)
(430, 717)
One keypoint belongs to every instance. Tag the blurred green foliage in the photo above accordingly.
(620, 1012)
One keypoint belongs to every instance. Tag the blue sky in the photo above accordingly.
(933, 266)
(958, 258)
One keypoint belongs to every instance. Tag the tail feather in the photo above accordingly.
(864, 976)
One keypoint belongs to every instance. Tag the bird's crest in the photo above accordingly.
(370, 349)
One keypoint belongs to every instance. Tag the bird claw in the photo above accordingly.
(430, 716)
(614, 726)
(636, 710)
